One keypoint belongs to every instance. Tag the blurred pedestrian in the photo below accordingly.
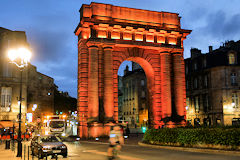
(115, 141)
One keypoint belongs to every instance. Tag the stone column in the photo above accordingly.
(165, 59)
(82, 88)
(179, 83)
(93, 102)
(108, 99)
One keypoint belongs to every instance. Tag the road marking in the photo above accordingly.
(108, 143)
(73, 154)
(120, 156)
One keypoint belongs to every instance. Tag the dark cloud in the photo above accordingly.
(49, 46)
(232, 26)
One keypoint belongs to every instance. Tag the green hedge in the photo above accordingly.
(193, 136)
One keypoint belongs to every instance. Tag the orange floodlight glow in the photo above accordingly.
(150, 38)
(160, 39)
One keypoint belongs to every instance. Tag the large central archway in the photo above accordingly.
(108, 35)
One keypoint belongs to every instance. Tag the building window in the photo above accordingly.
(231, 58)
(195, 66)
(7, 71)
(6, 98)
(205, 103)
(143, 94)
(205, 81)
(195, 83)
(233, 79)
(196, 104)
(186, 69)
(187, 86)
(204, 63)
(234, 100)
(187, 103)
(142, 82)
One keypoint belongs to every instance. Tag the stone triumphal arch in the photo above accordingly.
(108, 35)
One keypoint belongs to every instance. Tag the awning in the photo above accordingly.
(7, 124)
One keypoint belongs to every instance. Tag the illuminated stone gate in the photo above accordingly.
(109, 35)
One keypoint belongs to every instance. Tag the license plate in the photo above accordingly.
(56, 151)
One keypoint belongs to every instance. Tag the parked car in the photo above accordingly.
(71, 138)
(48, 145)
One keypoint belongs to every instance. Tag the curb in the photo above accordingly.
(200, 150)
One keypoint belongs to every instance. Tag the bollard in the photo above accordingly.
(28, 152)
(13, 145)
(24, 151)
(7, 144)
(32, 153)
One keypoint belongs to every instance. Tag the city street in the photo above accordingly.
(89, 150)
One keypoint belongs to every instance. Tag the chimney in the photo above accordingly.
(210, 48)
(126, 70)
(195, 52)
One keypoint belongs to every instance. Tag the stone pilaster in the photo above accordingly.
(82, 88)
(179, 83)
(93, 101)
(165, 60)
(108, 100)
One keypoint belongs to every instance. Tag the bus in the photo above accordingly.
(55, 125)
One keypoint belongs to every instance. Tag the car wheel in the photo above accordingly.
(65, 155)
(40, 155)
(32, 150)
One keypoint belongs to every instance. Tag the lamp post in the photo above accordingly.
(20, 57)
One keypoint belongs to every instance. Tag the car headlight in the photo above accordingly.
(64, 147)
(46, 147)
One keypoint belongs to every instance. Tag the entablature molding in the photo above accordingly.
(122, 44)
(104, 31)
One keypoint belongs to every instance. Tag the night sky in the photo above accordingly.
(49, 25)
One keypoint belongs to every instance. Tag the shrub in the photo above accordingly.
(226, 136)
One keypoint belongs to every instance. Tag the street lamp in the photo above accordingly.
(20, 57)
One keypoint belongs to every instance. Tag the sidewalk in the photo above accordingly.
(10, 154)
(7, 154)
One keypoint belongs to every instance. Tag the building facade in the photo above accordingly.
(120, 98)
(135, 97)
(40, 91)
(10, 76)
(37, 88)
(213, 85)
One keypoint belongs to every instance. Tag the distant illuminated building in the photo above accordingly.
(40, 92)
(134, 97)
(213, 83)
